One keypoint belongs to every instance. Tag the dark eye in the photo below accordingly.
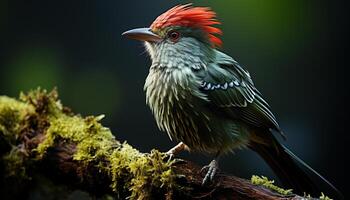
(174, 36)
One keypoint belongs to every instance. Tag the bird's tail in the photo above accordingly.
(291, 170)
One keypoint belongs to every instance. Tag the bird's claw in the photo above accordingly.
(171, 157)
(175, 150)
(204, 168)
(212, 169)
(170, 154)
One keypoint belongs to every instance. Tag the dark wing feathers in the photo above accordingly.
(227, 87)
(230, 88)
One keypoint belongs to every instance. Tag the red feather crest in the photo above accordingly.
(186, 15)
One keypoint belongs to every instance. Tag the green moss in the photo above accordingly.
(14, 164)
(12, 112)
(324, 197)
(150, 172)
(139, 173)
(130, 171)
(92, 139)
(307, 196)
(44, 102)
(12, 115)
(264, 181)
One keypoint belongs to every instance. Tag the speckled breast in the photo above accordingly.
(177, 105)
(179, 108)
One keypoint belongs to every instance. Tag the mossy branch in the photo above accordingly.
(40, 136)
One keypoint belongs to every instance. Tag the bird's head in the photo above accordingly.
(181, 33)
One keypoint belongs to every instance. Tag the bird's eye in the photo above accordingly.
(174, 36)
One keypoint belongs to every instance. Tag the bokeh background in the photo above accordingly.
(294, 49)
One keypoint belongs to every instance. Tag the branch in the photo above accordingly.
(39, 135)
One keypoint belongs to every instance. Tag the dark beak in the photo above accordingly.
(142, 34)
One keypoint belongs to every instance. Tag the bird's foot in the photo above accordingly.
(169, 155)
(175, 150)
(212, 169)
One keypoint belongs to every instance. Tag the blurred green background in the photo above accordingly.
(295, 51)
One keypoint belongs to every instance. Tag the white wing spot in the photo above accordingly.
(209, 86)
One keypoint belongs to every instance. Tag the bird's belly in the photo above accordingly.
(182, 111)
(203, 131)
(190, 121)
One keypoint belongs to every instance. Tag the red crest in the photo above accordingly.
(188, 16)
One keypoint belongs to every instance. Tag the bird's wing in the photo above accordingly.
(230, 88)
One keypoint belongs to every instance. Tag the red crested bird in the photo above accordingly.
(208, 102)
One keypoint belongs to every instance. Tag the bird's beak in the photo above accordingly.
(142, 34)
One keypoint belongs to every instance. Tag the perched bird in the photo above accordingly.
(208, 102)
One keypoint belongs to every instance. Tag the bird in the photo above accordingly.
(206, 101)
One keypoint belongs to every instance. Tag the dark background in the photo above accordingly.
(295, 51)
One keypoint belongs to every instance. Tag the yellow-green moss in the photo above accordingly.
(45, 103)
(14, 164)
(324, 197)
(150, 171)
(143, 172)
(307, 196)
(129, 169)
(264, 181)
(92, 139)
(12, 112)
